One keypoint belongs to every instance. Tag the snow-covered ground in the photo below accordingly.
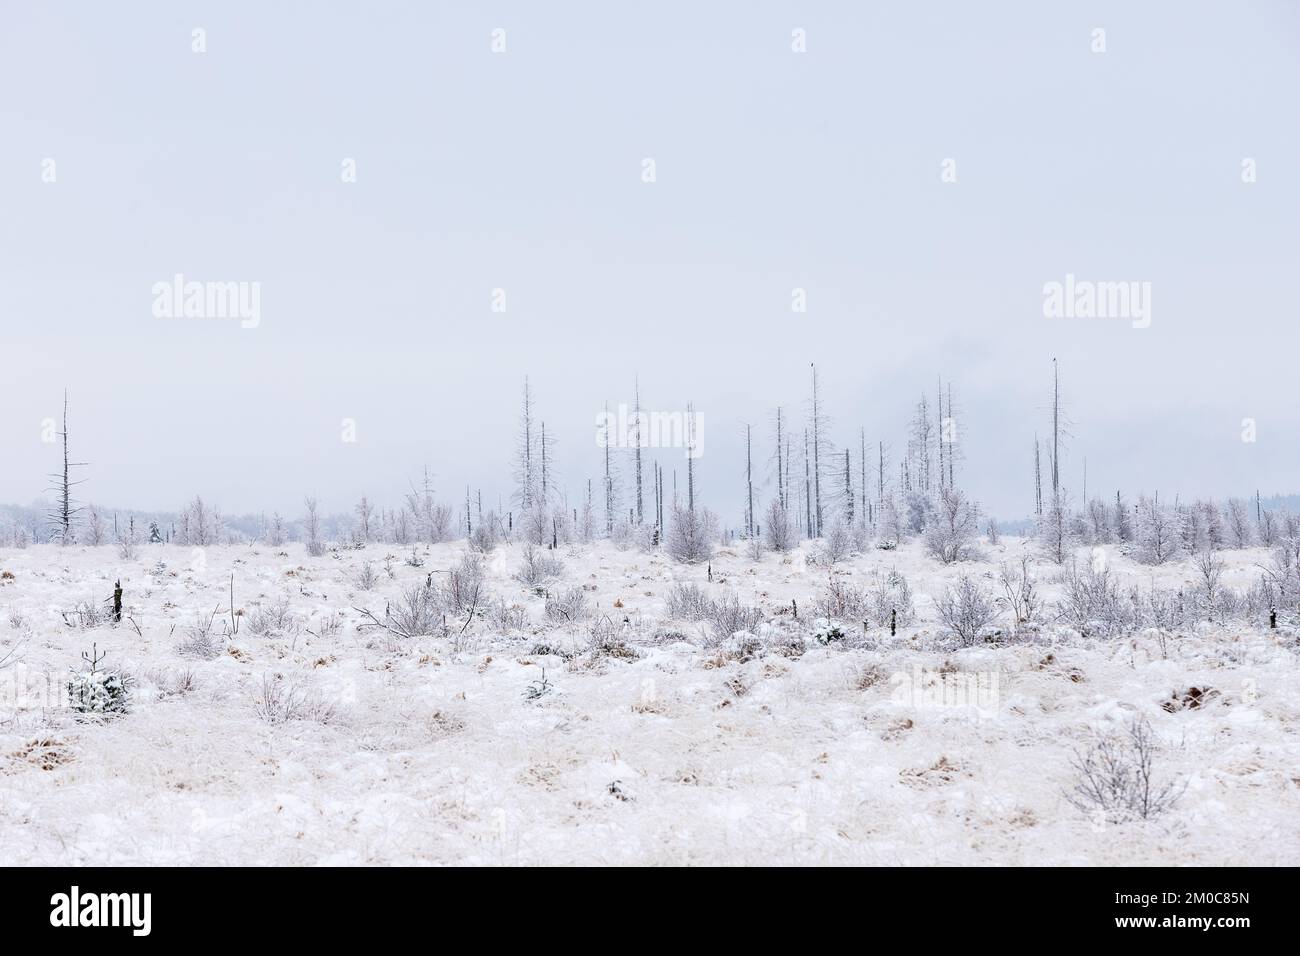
(660, 745)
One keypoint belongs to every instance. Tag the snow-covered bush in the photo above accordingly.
(827, 631)
(1091, 603)
(1019, 592)
(728, 616)
(539, 566)
(279, 701)
(365, 578)
(1056, 530)
(1159, 531)
(687, 602)
(416, 613)
(504, 618)
(691, 534)
(96, 691)
(967, 610)
(1115, 778)
(199, 638)
(463, 587)
(567, 606)
(835, 546)
(888, 595)
(778, 529)
(844, 601)
(950, 533)
(272, 620)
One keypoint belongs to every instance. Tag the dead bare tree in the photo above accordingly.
(66, 508)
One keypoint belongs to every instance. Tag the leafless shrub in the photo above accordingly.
(539, 566)
(415, 614)
(778, 529)
(967, 610)
(890, 595)
(728, 616)
(1091, 603)
(567, 606)
(311, 528)
(843, 601)
(835, 546)
(1161, 609)
(330, 626)
(1115, 777)
(279, 701)
(199, 638)
(365, 578)
(687, 602)
(173, 682)
(505, 617)
(691, 534)
(1019, 592)
(991, 531)
(950, 532)
(272, 620)
(86, 614)
(463, 588)
(1209, 566)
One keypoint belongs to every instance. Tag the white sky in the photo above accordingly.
(523, 171)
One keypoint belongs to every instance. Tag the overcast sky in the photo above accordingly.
(523, 171)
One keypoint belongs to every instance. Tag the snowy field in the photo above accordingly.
(624, 735)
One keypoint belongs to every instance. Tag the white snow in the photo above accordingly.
(426, 750)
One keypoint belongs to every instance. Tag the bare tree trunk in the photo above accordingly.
(749, 483)
(1056, 427)
(817, 468)
(637, 415)
(780, 488)
(690, 458)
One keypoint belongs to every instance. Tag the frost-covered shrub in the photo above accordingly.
(567, 606)
(950, 533)
(843, 601)
(1115, 778)
(272, 620)
(539, 566)
(828, 631)
(416, 613)
(280, 701)
(96, 691)
(691, 534)
(835, 546)
(463, 587)
(1160, 609)
(778, 529)
(888, 594)
(1091, 603)
(365, 578)
(967, 610)
(505, 617)
(487, 534)
(199, 638)
(687, 602)
(1159, 531)
(86, 614)
(1019, 592)
(728, 616)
